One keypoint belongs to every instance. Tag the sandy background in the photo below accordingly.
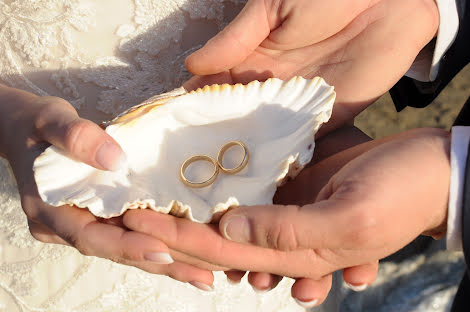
(423, 276)
(381, 118)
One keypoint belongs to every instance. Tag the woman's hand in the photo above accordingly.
(378, 197)
(361, 47)
(30, 123)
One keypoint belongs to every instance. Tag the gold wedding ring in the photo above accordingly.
(242, 164)
(193, 159)
(217, 164)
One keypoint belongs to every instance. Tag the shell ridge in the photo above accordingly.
(276, 119)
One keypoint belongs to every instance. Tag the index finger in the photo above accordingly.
(204, 241)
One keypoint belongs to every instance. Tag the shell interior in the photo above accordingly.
(276, 119)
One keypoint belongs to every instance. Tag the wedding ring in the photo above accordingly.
(193, 159)
(242, 164)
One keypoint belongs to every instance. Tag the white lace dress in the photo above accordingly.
(103, 56)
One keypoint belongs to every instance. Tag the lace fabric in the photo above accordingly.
(103, 57)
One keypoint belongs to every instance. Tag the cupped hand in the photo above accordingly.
(360, 47)
(40, 121)
(375, 205)
(379, 196)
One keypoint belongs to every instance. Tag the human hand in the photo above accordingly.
(361, 47)
(404, 179)
(39, 121)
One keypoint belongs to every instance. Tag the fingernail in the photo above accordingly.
(111, 157)
(159, 257)
(260, 291)
(307, 304)
(202, 286)
(238, 229)
(356, 287)
(232, 282)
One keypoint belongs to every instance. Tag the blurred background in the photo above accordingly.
(423, 276)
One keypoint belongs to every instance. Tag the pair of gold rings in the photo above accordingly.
(216, 163)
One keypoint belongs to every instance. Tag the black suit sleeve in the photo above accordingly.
(409, 92)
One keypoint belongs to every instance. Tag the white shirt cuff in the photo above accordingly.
(458, 157)
(426, 65)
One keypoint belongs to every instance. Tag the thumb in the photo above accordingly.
(325, 224)
(59, 124)
(234, 43)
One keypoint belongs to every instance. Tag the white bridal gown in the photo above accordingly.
(103, 56)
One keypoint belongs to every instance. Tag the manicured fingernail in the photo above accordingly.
(202, 286)
(260, 291)
(238, 229)
(356, 287)
(159, 257)
(307, 304)
(232, 282)
(111, 157)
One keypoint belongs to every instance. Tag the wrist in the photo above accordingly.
(438, 222)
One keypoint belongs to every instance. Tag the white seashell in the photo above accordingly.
(276, 119)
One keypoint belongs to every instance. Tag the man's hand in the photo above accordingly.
(385, 194)
(360, 47)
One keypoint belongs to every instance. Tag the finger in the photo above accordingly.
(358, 278)
(93, 238)
(323, 20)
(311, 293)
(234, 43)
(324, 224)
(200, 81)
(188, 259)
(58, 123)
(104, 244)
(43, 234)
(117, 221)
(179, 271)
(331, 222)
(263, 282)
(204, 241)
(235, 276)
(197, 277)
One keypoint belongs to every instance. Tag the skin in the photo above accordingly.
(335, 215)
(361, 47)
(354, 45)
(41, 121)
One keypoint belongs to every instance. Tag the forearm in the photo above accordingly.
(14, 105)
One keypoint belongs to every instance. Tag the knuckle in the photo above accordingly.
(32, 212)
(72, 134)
(281, 235)
(35, 233)
(47, 108)
(174, 274)
(363, 225)
(81, 246)
(43, 115)
(127, 251)
(120, 260)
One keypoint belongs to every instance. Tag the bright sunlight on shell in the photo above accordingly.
(276, 119)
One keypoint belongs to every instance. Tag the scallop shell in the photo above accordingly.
(276, 119)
